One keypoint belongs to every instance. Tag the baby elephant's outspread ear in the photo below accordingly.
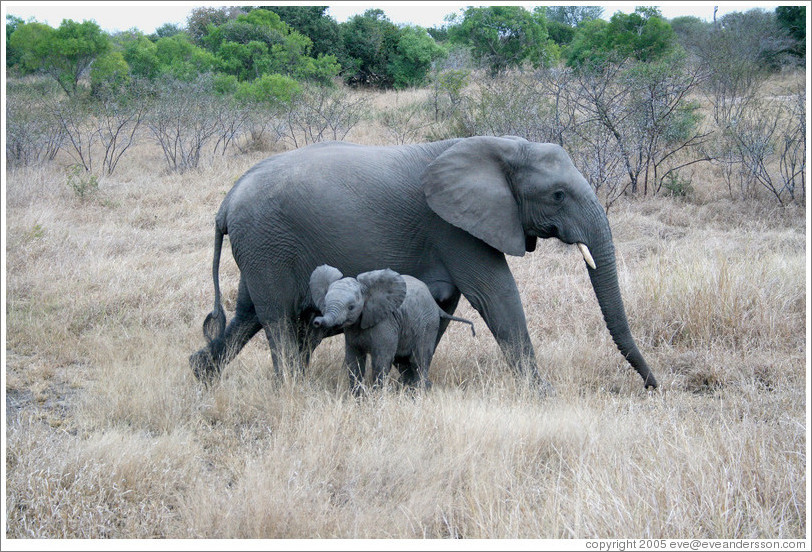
(384, 292)
(320, 281)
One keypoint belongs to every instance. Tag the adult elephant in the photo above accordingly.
(445, 212)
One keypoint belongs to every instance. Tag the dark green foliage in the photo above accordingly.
(503, 37)
(141, 54)
(643, 36)
(179, 58)
(13, 55)
(64, 53)
(560, 33)
(413, 56)
(793, 20)
(379, 54)
(199, 20)
(369, 41)
(314, 23)
(259, 43)
(440, 34)
(166, 30)
(110, 72)
(573, 16)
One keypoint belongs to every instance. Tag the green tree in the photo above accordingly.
(562, 21)
(573, 16)
(412, 59)
(13, 55)
(259, 42)
(370, 41)
(199, 20)
(642, 36)
(504, 36)
(314, 23)
(30, 43)
(166, 30)
(110, 72)
(141, 55)
(65, 53)
(793, 20)
(180, 59)
(272, 90)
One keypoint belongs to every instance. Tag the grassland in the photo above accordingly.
(109, 435)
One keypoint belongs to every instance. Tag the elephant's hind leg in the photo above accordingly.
(210, 361)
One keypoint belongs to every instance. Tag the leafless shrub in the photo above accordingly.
(514, 105)
(645, 108)
(405, 123)
(323, 113)
(792, 148)
(118, 118)
(596, 154)
(33, 135)
(558, 86)
(75, 117)
(263, 128)
(766, 147)
(183, 120)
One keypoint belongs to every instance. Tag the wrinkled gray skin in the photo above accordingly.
(384, 315)
(445, 212)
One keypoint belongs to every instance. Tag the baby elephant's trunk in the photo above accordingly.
(328, 320)
(447, 316)
(320, 321)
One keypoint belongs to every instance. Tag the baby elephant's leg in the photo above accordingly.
(381, 364)
(356, 362)
(420, 361)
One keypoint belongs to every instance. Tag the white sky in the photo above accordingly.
(149, 15)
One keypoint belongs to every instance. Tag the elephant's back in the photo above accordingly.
(355, 207)
(332, 184)
(324, 172)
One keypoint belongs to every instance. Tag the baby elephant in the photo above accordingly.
(383, 314)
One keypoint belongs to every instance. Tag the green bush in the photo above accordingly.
(83, 183)
(109, 72)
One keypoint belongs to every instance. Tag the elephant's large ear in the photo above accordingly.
(466, 185)
(320, 281)
(384, 292)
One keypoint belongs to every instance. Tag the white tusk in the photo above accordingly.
(587, 255)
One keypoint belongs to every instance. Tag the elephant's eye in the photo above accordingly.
(558, 195)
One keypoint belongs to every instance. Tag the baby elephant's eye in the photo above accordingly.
(558, 195)
(351, 308)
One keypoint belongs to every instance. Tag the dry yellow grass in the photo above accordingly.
(109, 435)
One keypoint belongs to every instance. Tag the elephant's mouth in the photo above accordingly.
(552, 231)
(546, 232)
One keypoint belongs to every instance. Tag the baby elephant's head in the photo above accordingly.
(365, 300)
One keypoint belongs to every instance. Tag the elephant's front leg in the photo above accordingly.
(494, 294)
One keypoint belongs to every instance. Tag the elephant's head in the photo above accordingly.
(365, 300)
(508, 192)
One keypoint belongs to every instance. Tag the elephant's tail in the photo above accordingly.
(215, 323)
(447, 316)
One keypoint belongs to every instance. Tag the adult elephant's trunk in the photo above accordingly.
(607, 290)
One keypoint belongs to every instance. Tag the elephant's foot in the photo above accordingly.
(203, 366)
(546, 390)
